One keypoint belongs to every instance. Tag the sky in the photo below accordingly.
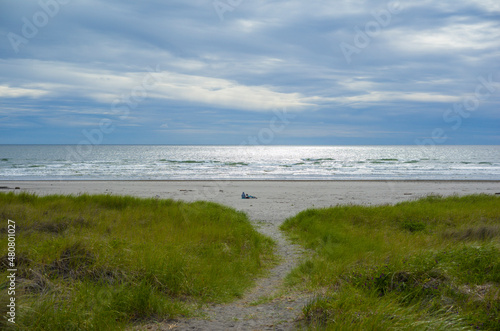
(241, 72)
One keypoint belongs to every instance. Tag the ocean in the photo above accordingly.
(155, 162)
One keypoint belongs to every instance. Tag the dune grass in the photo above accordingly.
(431, 264)
(106, 262)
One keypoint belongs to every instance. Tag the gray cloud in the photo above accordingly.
(404, 73)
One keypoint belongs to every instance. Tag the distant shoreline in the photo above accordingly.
(276, 199)
(255, 180)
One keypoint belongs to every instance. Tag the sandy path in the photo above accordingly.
(265, 307)
(276, 202)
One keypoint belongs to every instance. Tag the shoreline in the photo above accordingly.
(252, 180)
(276, 200)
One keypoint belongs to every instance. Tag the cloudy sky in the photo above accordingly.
(250, 71)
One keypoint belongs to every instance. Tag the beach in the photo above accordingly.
(276, 200)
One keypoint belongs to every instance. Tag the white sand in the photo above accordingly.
(276, 201)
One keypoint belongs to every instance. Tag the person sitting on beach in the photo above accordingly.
(246, 196)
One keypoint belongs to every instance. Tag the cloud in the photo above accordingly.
(14, 92)
(207, 73)
(56, 79)
(454, 37)
(386, 97)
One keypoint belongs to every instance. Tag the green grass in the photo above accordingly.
(431, 264)
(107, 262)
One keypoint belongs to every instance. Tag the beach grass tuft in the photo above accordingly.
(102, 262)
(430, 264)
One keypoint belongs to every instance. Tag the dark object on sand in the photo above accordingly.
(246, 196)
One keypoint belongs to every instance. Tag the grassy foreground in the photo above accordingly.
(103, 262)
(431, 264)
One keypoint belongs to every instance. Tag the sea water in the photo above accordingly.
(153, 162)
